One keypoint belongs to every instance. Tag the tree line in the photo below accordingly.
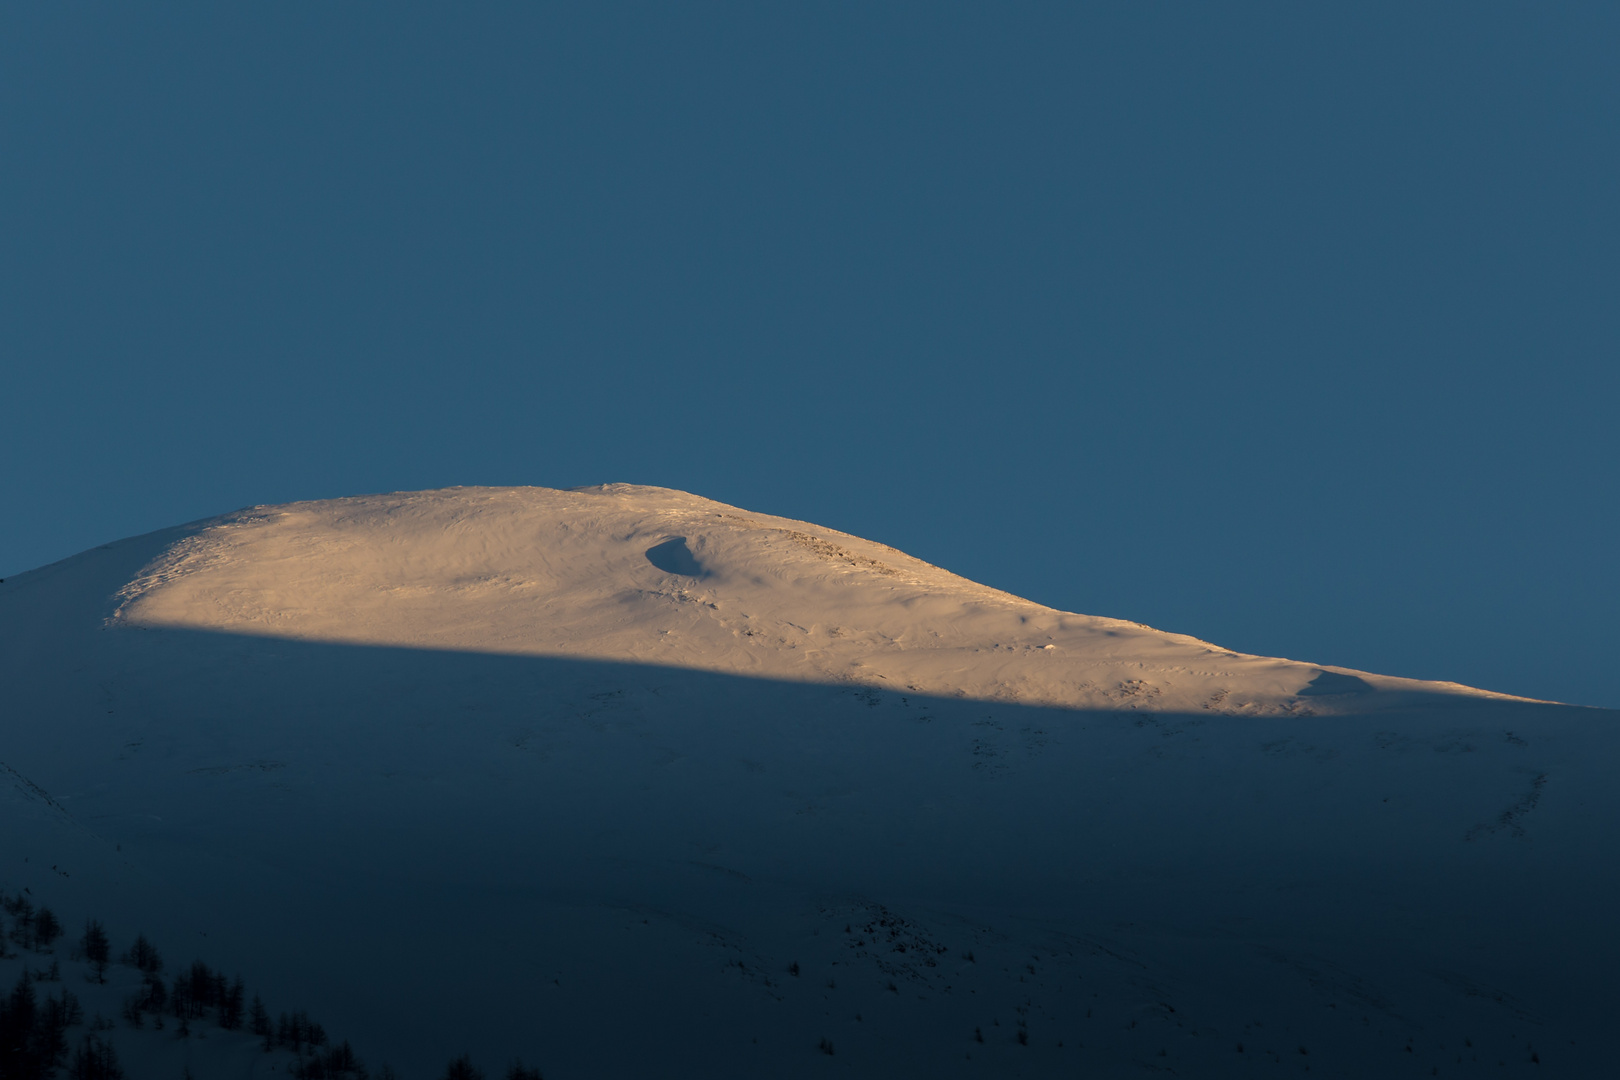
(33, 1030)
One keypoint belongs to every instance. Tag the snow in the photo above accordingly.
(652, 576)
(578, 775)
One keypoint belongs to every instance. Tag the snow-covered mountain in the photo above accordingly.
(652, 576)
(630, 782)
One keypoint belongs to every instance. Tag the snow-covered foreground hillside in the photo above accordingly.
(630, 783)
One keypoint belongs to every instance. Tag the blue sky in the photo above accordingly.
(1292, 327)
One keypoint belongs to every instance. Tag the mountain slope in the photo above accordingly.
(648, 575)
(511, 771)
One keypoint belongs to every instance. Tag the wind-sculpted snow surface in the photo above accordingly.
(653, 576)
(514, 772)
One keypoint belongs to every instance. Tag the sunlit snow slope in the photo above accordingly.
(631, 783)
(649, 575)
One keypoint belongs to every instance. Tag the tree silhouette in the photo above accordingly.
(131, 1011)
(259, 1022)
(337, 1063)
(95, 1059)
(462, 1068)
(22, 914)
(33, 1042)
(296, 1030)
(156, 996)
(18, 1016)
(200, 989)
(47, 928)
(143, 956)
(230, 1007)
(95, 948)
(181, 1003)
(33, 1037)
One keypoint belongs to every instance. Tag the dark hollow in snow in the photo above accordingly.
(674, 557)
(1327, 684)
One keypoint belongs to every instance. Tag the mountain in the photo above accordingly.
(651, 576)
(629, 782)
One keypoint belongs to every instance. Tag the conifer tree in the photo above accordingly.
(219, 990)
(95, 1059)
(22, 914)
(131, 1011)
(47, 928)
(143, 956)
(50, 1031)
(290, 1033)
(462, 1069)
(156, 996)
(260, 1022)
(181, 1002)
(230, 1008)
(95, 947)
(18, 1016)
(200, 988)
(338, 1063)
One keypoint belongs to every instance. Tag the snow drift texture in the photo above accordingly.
(630, 782)
(651, 576)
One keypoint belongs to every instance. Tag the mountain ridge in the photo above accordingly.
(539, 571)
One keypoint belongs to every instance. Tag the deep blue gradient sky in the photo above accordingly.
(1290, 326)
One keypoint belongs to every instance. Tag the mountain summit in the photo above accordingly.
(653, 576)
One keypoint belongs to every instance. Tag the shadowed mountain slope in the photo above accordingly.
(430, 766)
